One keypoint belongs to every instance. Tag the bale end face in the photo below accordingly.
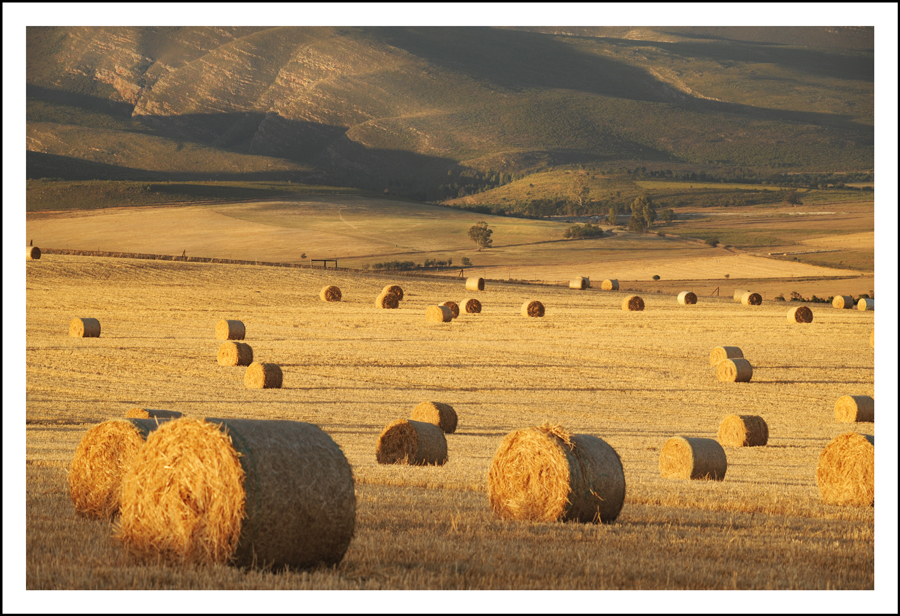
(438, 314)
(84, 328)
(737, 370)
(751, 299)
(470, 306)
(851, 409)
(453, 306)
(263, 376)
(800, 314)
(743, 431)
(330, 294)
(532, 308)
(33, 253)
(230, 330)
(845, 472)
(687, 298)
(475, 284)
(692, 458)
(438, 413)
(235, 354)
(720, 354)
(633, 303)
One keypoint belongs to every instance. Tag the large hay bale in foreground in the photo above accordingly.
(474, 284)
(737, 370)
(141, 413)
(453, 306)
(800, 314)
(438, 314)
(739, 294)
(330, 293)
(609, 285)
(101, 460)
(751, 299)
(235, 354)
(846, 470)
(687, 298)
(32, 253)
(84, 328)
(720, 354)
(438, 413)
(395, 289)
(387, 300)
(263, 376)
(230, 330)
(407, 441)
(532, 308)
(253, 493)
(581, 283)
(866, 303)
(470, 305)
(850, 409)
(544, 474)
(743, 431)
(633, 303)
(685, 457)
(842, 301)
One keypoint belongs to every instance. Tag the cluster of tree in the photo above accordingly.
(480, 233)
(396, 265)
(643, 214)
(438, 263)
(580, 232)
(462, 182)
(740, 175)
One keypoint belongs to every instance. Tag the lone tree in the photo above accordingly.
(643, 207)
(613, 215)
(792, 197)
(667, 215)
(481, 235)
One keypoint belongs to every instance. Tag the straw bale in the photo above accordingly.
(687, 298)
(720, 354)
(684, 457)
(743, 431)
(532, 308)
(84, 328)
(395, 289)
(101, 460)
(235, 354)
(751, 299)
(438, 314)
(33, 253)
(800, 314)
(866, 303)
(470, 306)
(846, 470)
(737, 370)
(453, 306)
(633, 303)
(387, 300)
(842, 301)
(407, 441)
(252, 493)
(330, 294)
(738, 294)
(230, 330)
(544, 474)
(609, 285)
(849, 409)
(474, 284)
(263, 376)
(438, 413)
(152, 414)
(579, 283)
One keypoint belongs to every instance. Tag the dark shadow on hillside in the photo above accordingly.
(79, 101)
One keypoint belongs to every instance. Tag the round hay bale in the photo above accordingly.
(407, 441)
(720, 354)
(846, 470)
(800, 314)
(842, 301)
(866, 303)
(84, 328)
(743, 431)
(101, 460)
(140, 413)
(685, 457)
(738, 294)
(579, 283)
(532, 308)
(437, 413)
(263, 376)
(737, 370)
(470, 306)
(387, 300)
(687, 298)
(33, 253)
(230, 330)
(235, 354)
(633, 303)
(453, 306)
(252, 493)
(438, 314)
(609, 285)
(395, 289)
(850, 409)
(544, 474)
(330, 294)
(474, 284)
(751, 299)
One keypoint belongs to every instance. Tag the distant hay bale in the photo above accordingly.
(438, 413)
(737, 370)
(743, 431)
(33, 253)
(84, 328)
(532, 308)
(720, 354)
(685, 457)
(474, 284)
(407, 441)
(230, 330)
(101, 460)
(751, 299)
(800, 314)
(395, 289)
(579, 283)
(252, 493)
(470, 306)
(330, 294)
(850, 409)
(846, 470)
(687, 298)
(544, 474)
(609, 285)
(235, 354)
(633, 303)
(843, 301)
(453, 306)
(438, 314)
(140, 413)
(263, 376)
(866, 303)
(738, 294)
(387, 300)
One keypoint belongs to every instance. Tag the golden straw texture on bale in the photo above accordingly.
(470, 306)
(140, 413)
(846, 470)
(633, 303)
(800, 314)
(609, 285)
(579, 283)
(692, 458)
(387, 300)
(84, 328)
(438, 413)
(474, 284)
(687, 298)
(720, 354)
(330, 294)
(395, 289)
(866, 303)
(751, 299)
(230, 330)
(235, 354)
(438, 314)
(263, 376)
(850, 409)
(532, 308)
(101, 460)
(842, 301)
(737, 370)
(407, 441)
(453, 306)
(738, 294)
(872, 339)
(743, 431)
(33, 253)
(543, 474)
